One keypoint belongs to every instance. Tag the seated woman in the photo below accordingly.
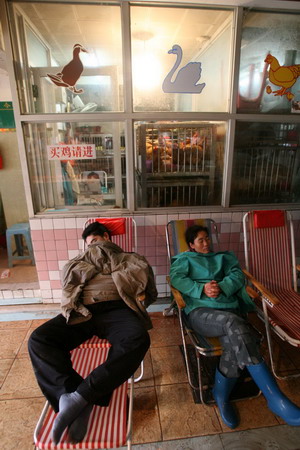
(213, 287)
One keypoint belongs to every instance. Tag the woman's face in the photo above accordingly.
(202, 243)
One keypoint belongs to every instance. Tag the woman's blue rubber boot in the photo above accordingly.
(278, 403)
(221, 392)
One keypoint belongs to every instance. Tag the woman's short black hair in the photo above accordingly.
(95, 229)
(192, 232)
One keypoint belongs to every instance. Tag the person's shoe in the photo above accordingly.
(278, 403)
(221, 392)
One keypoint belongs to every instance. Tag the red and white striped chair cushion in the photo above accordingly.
(95, 342)
(107, 425)
(286, 314)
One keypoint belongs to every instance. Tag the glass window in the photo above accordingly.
(76, 165)
(179, 163)
(266, 165)
(181, 58)
(72, 62)
(270, 41)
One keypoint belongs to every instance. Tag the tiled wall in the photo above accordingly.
(55, 241)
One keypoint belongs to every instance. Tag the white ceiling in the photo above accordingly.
(98, 28)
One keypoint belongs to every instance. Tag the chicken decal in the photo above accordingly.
(187, 77)
(283, 76)
(70, 74)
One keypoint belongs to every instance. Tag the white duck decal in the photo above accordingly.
(187, 77)
(70, 74)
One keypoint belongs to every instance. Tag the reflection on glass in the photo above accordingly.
(72, 61)
(265, 34)
(266, 165)
(76, 166)
(204, 37)
(179, 163)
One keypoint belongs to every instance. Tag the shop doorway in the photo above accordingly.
(18, 280)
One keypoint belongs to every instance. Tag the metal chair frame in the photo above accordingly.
(268, 299)
(47, 416)
(128, 244)
(203, 346)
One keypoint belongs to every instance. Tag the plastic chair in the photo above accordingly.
(203, 346)
(271, 269)
(107, 425)
(19, 230)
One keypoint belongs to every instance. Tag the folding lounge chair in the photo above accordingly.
(271, 269)
(109, 427)
(203, 346)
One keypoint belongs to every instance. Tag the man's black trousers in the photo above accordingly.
(50, 345)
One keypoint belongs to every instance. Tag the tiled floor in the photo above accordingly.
(22, 275)
(165, 415)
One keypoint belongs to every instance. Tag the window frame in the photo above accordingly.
(129, 117)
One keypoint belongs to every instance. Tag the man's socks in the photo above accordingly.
(70, 407)
(78, 427)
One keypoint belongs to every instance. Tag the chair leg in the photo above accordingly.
(200, 380)
(187, 363)
(270, 347)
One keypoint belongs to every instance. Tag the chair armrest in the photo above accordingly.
(265, 292)
(177, 295)
(252, 293)
(141, 297)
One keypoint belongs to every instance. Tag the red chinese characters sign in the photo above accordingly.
(71, 151)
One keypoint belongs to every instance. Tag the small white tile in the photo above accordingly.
(183, 216)
(225, 227)
(58, 224)
(70, 222)
(160, 279)
(18, 293)
(235, 227)
(139, 220)
(35, 224)
(226, 217)
(217, 217)
(161, 219)
(1, 295)
(37, 293)
(81, 245)
(80, 221)
(56, 300)
(161, 288)
(46, 294)
(295, 215)
(57, 293)
(61, 264)
(194, 216)
(47, 224)
(45, 284)
(28, 293)
(54, 274)
(172, 217)
(7, 294)
(73, 253)
(150, 220)
(237, 217)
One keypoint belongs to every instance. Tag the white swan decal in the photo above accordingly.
(187, 77)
